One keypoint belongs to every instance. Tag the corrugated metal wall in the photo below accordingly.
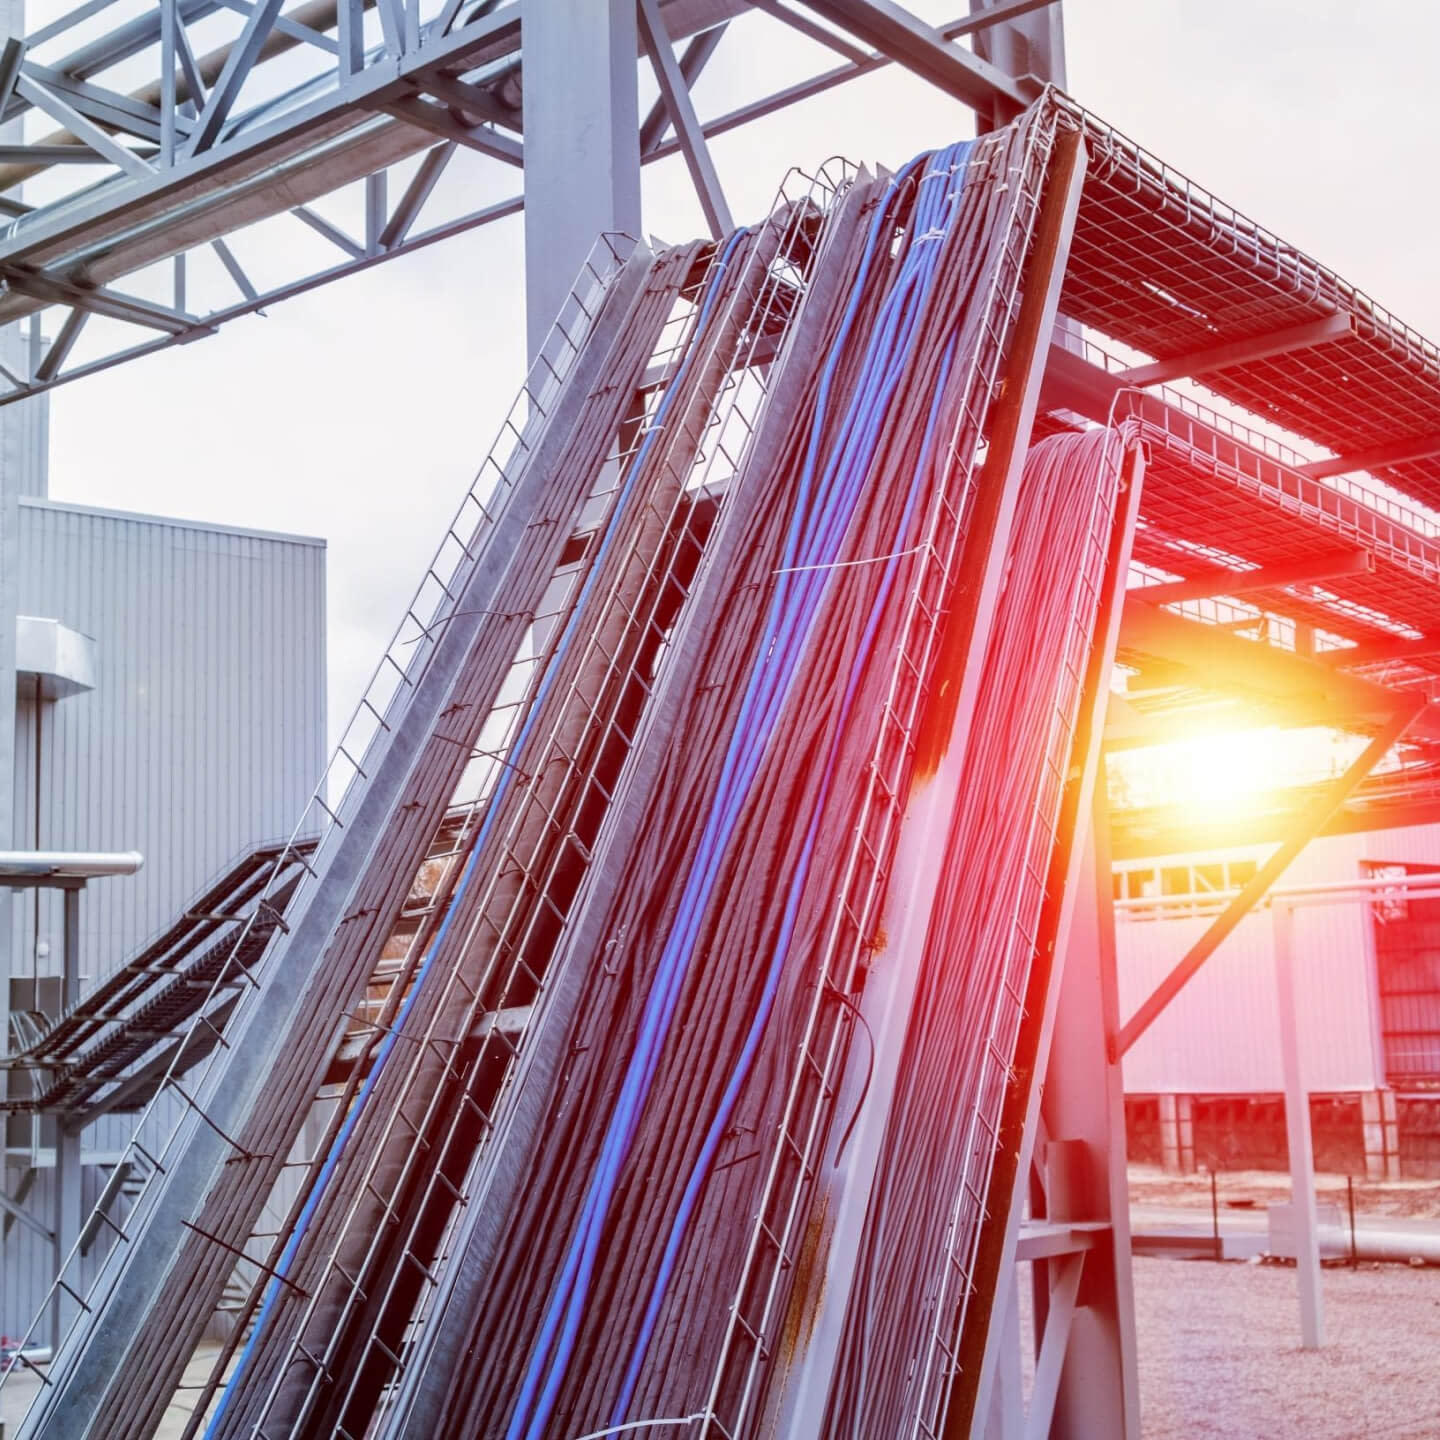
(204, 735)
(1220, 1035)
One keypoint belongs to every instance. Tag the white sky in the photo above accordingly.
(360, 411)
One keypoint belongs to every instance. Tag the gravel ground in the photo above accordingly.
(1219, 1354)
(1414, 1199)
(1219, 1358)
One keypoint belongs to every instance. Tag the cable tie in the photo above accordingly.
(686, 1420)
(846, 564)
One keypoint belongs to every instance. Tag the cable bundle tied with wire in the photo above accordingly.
(206, 1254)
(376, 1216)
(725, 898)
(927, 1203)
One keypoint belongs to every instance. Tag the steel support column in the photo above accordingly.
(67, 1189)
(24, 443)
(1031, 44)
(1297, 1136)
(1096, 1390)
(582, 143)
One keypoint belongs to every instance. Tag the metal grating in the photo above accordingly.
(1161, 265)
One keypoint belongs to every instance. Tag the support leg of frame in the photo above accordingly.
(582, 143)
(1096, 1389)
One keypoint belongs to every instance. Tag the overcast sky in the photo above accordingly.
(360, 411)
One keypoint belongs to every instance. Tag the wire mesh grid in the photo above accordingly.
(535, 857)
(1265, 515)
(770, 1252)
(1272, 440)
(162, 1125)
(1217, 477)
(955, 1265)
(490, 758)
(708, 449)
(1161, 264)
(393, 976)
(387, 988)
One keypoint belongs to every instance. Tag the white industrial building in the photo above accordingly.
(1367, 1001)
(170, 699)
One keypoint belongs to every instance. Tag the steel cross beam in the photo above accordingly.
(924, 50)
(1242, 352)
(167, 172)
(1407, 710)
(1349, 561)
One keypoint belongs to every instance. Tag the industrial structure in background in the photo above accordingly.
(1203, 1086)
(595, 1053)
(170, 699)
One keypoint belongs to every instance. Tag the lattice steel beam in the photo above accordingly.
(207, 147)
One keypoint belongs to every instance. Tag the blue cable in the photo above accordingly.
(581, 1259)
(580, 1254)
(492, 808)
(813, 540)
(730, 1098)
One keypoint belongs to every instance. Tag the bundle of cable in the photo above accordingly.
(610, 1272)
(914, 1271)
(537, 1201)
(551, 500)
(372, 1220)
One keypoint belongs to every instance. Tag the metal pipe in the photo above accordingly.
(1415, 887)
(43, 865)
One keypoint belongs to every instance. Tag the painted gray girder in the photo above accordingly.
(324, 134)
(224, 164)
(924, 49)
(255, 171)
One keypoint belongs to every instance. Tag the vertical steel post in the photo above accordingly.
(1084, 1100)
(1297, 1137)
(1007, 1409)
(65, 1225)
(1028, 45)
(582, 143)
(24, 432)
(1215, 1217)
(1350, 1205)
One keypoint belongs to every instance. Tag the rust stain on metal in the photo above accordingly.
(809, 1288)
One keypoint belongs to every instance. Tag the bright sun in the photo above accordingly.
(1226, 774)
(1230, 773)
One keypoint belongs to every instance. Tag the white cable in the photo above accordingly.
(846, 564)
(644, 1424)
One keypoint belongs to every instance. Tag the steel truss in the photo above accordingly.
(334, 123)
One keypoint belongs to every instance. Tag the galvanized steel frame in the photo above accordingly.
(207, 148)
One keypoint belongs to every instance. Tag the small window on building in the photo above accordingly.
(1388, 906)
(1209, 877)
(1239, 873)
